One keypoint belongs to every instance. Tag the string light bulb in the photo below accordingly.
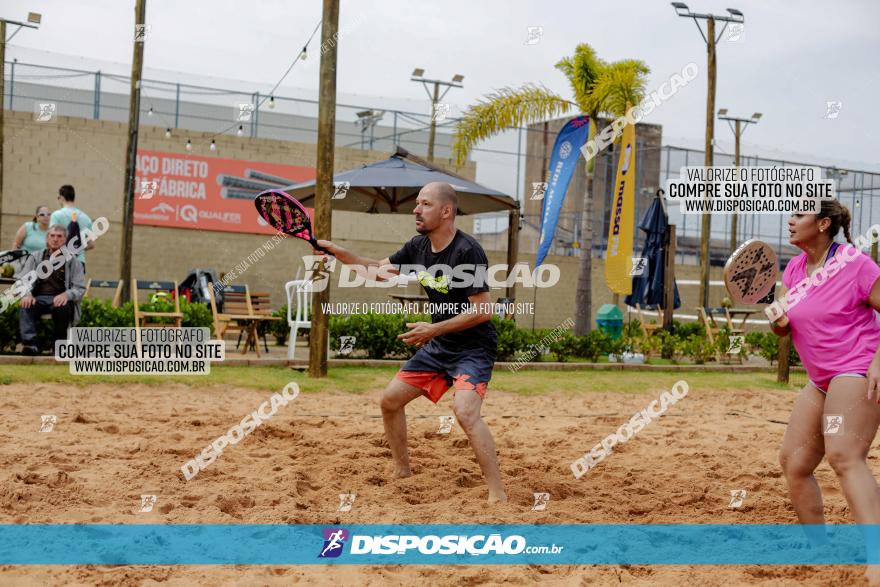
(167, 133)
(240, 131)
(304, 54)
(213, 145)
(271, 101)
(150, 111)
(189, 145)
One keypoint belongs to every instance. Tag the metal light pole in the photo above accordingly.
(33, 22)
(711, 40)
(738, 127)
(435, 97)
(367, 120)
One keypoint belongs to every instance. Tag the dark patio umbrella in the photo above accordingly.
(391, 186)
(647, 288)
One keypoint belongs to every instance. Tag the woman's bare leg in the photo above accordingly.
(848, 450)
(847, 453)
(802, 451)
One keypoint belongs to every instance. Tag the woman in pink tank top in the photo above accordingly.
(833, 292)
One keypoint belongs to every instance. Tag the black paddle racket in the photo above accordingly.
(10, 256)
(285, 214)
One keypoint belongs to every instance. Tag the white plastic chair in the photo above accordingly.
(299, 300)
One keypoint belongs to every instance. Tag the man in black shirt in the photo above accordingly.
(458, 347)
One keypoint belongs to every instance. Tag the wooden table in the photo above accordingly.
(249, 325)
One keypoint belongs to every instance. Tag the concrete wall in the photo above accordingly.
(90, 154)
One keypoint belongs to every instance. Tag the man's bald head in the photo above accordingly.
(444, 193)
(436, 206)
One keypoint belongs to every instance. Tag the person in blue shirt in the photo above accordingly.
(68, 213)
(31, 236)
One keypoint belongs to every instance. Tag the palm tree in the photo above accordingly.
(599, 88)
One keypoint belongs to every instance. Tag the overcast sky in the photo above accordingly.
(792, 57)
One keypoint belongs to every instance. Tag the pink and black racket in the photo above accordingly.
(285, 214)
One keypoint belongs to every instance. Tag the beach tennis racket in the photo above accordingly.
(750, 273)
(285, 214)
(10, 256)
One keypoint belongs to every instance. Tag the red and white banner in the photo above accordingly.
(206, 193)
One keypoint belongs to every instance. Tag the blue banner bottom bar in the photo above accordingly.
(505, 544)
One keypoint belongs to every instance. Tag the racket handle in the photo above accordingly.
(320, 249)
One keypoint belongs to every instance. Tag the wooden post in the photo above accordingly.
(669, 279)
(324, 182)
(782, 368)
(706, 225)
(134, 106)
(512, 247)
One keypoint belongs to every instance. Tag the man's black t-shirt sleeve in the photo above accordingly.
(475, 258)
(404, 256)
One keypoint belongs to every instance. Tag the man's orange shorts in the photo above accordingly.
(434, 369)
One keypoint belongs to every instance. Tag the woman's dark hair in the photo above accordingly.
(839, 216)
(37, 211)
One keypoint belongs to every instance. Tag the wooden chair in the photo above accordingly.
(648, 328)
(713, 330)
(237, 315)
(236, 302)
(708, 323)
(733, 330)
(106, 283)
(261, 306)
(144, 319)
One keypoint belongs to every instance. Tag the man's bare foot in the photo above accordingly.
(402, 473)
(497, 497)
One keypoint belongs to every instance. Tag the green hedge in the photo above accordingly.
(376, 335)
(766, 344)
(513, 341)
(96, 312)
(10, 335)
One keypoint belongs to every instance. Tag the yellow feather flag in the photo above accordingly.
(618, 258)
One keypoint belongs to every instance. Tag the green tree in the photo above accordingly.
(600, 88)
